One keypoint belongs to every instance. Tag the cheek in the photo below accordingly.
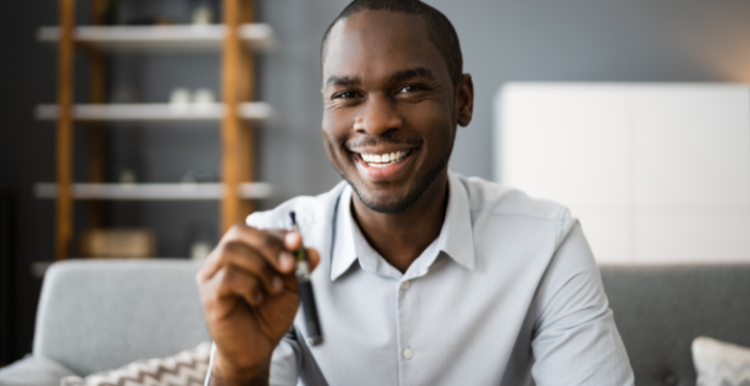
(434, 123)
(335, 132)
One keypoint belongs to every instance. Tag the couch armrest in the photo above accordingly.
(33, 371)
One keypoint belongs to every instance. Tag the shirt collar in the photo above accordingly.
(456, 236)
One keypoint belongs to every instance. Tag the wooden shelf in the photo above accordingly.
(249, 111)
(174, 191)
(172, 38)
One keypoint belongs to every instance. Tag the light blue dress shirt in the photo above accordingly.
(508, 292)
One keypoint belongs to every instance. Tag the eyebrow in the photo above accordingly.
(402, 75)
(397, 76)
(334, 80)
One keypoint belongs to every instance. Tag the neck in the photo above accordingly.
(401, 237)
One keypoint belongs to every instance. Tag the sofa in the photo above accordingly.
(96, 315)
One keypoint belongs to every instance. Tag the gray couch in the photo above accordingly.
(98, 315)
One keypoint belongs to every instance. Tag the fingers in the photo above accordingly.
(266, 255)
(232, 282)
(314, 257)
(242, 240)
(292, 240)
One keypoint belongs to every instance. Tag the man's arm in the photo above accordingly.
(575, 339)
(249, 296)
(284, 369)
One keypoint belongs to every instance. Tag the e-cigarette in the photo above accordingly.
(304, 286)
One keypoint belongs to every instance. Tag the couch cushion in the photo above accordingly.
(97, 315)
(659, 310)
(33, 371)
(720, 363)
(187, 368)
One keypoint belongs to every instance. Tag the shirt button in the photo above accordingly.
(408, 353)
(405, 284)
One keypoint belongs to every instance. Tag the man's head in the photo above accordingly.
(392, 88)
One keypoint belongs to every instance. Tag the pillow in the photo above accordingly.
(720, 364)
(188, 368)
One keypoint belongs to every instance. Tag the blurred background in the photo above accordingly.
(502, 41)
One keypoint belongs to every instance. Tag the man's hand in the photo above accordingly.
(249, 295)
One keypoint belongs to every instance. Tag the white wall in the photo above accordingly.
(657, 173)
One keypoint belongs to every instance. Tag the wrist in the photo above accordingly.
(226, 374)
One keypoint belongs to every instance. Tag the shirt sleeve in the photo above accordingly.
(575, 340)
(284, 362)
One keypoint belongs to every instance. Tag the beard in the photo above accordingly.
(395, 205)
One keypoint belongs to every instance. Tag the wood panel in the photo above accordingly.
(64, 219)
(237, 136)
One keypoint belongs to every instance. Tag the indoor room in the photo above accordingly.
(375, 192)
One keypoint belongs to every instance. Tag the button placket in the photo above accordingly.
(403, 318)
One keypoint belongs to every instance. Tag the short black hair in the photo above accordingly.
(441, 31)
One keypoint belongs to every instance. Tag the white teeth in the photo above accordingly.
(383, 160)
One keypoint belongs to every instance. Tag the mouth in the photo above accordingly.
(379, 165)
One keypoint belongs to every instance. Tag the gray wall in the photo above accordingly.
(545, 40)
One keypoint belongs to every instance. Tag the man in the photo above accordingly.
(423, 277)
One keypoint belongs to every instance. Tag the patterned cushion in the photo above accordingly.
(187, 368)
(721, 364)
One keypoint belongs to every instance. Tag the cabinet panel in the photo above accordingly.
(565, 142)
(693, 144)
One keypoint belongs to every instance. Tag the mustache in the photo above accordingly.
(388, 139)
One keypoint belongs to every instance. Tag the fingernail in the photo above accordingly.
(277, 284)
(286, 261)
(291, 237)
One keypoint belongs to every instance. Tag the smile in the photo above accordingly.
(385, 159)
(380, 164)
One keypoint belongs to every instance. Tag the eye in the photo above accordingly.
(345, 95)
(410, 88)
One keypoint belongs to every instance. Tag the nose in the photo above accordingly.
(378, 116)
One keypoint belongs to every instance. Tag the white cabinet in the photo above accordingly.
(657, 173)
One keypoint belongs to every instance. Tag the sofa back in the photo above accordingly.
(98, 315)
(659, 310)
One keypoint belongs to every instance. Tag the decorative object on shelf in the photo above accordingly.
(202, 239)
(203, 97)
(118, 243)
(127, 176)
(179, 97)
(202, 15)
(199, 250)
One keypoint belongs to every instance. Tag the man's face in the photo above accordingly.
(390, 112)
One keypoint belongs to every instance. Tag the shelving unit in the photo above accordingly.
(237, 39)
(248, 111)
(176, 191)
(170, 38)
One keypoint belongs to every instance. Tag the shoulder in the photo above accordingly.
(494, 201)
(308, 209)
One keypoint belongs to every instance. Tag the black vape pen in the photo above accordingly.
(314, 333)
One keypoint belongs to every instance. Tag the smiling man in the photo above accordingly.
(423, 277)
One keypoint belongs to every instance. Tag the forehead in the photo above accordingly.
(372, 44)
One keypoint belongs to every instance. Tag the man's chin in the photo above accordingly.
(385, 206)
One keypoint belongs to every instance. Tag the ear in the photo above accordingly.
(465, 100)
